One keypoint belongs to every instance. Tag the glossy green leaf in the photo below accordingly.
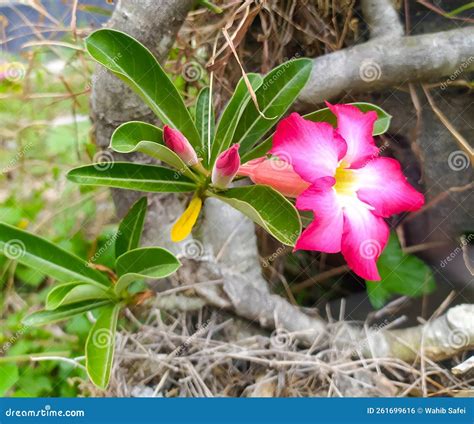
(132, 62)
(135, 136)
(146, 262)
(45, 257)
(325, 115)
(126, 137)
(381, 124)
(100, 346)
(267, 208)
(65, 294)
(400, 274)
(279, 90)
(205, 122)
(133, 176)
(232, 113)
(130, 229)
(8, 377)
(62, 313)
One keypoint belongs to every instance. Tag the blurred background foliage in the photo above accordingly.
(45, 130)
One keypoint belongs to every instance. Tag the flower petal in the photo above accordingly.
(276, 173)
(226, 167)
(184, 225)
(356, 128)
(313, 148)
(364, 238)
(325, 232)
(179, 144)
(383, 186)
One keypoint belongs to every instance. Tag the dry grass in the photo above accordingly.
(265, 34)
(207, 353)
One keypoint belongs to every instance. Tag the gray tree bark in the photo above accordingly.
(380, 64)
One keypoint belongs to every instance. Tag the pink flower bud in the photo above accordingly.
(226, 167)
(276, 173)
(179, 144)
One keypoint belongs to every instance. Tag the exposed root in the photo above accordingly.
(205, 354)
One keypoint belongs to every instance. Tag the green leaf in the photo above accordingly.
(130, 229)
(267, 208)
(232, 113)
(325, 115)
(146, 262)
(132, 62)
(65, 294)
(132, 176)
(211, 6)
(126, 137)
(135, 136)
(381, 124)
(279, 90)
(100, 346)
(205, 122)
(460, 9)
(8, 377)
(400, 274)
(45, 257)
(62, 313)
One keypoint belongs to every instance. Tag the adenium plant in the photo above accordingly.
(327, 160)
(88, 287)
(334, 172)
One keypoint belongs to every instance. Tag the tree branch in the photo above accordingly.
(438, 339)
(382, 19)
(377, 65)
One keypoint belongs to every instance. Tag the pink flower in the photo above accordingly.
(226, 167)
(351, 190)
(179, 144)
(275, 173)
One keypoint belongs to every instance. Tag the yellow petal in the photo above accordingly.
(183, 226)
